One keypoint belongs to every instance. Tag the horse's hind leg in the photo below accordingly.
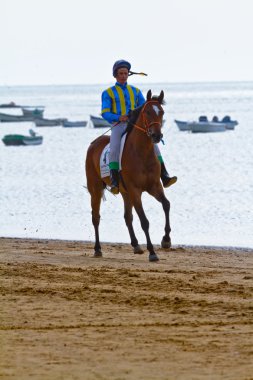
(128, 215)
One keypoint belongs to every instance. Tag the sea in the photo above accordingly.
(43, 188)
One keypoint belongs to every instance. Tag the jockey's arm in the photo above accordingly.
(106, 109)
(140, 99)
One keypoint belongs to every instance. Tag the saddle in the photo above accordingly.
(104, 158)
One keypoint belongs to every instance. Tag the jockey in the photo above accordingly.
(117, 101)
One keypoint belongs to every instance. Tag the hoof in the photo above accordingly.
(97, 254)
(138, 250)
(153, 257)
(166, 244)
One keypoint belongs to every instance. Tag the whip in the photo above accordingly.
(114, 125)
(134, 73)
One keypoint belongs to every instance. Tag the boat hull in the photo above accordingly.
(5, 118)
(74, 124)
(33, 141)
(16, 140)
(206, 127)
(49, 122)
(34, 113)
(182, 125)
(99, 122)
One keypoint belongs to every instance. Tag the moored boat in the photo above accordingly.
(14, 105)
(99, 122)
(72, 124)
(6, 118)
(33, 112)
(49, 122)
(203, 125)
(9, 105)
(17, 139)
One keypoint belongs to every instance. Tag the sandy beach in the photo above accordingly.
(67, 315)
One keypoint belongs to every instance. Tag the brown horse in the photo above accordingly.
(140, 172)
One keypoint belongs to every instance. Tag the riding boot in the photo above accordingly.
(166, 179)
(114, 175)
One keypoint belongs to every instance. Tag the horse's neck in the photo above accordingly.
(141, 144)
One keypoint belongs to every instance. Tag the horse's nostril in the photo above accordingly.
(156, 138)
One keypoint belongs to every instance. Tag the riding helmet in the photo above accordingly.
(118, 65)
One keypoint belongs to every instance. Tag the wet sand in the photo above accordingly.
(67, 315)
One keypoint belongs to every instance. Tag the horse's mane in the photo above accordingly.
(134, 114)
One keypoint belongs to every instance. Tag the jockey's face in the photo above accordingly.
(122, 75)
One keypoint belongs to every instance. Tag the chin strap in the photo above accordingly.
(133, 73)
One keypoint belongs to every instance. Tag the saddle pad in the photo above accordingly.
(104, 158)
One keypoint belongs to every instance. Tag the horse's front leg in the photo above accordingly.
(95, 206)
(136, 200)
(158, 193)
(128, 215)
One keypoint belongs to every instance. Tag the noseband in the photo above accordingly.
(147, 127)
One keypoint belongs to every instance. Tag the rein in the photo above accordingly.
(147, 126)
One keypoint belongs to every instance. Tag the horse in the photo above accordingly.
(140, 172)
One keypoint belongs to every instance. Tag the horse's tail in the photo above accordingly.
(95, 183)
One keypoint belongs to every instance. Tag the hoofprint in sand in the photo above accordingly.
(65, 314)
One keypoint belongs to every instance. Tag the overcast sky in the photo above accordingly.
(77, 41)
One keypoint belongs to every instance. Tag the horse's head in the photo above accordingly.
(152, 114)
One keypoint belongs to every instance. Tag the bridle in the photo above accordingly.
(147, 127)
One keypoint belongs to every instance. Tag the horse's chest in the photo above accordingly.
(143, 175)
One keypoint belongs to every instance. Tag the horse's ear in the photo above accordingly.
(160, 97)
(149, 95)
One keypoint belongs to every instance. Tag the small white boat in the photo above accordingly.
(48, 122)
(14, 105)
(33, 112)
(71, 124)
(9, 105)
(6, 118)
(99, 122)
(203, 125)
(16, 139)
